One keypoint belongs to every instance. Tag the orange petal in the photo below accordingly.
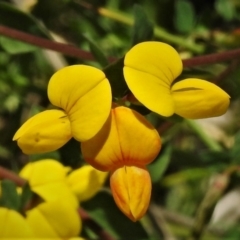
(127, 138)
(131, 189)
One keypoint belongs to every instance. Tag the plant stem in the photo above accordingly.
(73, 51)
(45, 43)
(213, 145)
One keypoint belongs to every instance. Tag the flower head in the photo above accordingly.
(14, 225)
(124, 146)
(48, 179)
(84, 95)
(54, 219)
(150, 69)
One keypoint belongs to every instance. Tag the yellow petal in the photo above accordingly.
(126, 138)
(149, 70)
(86, 181)
(131, 188)
(47, 178)
(54, 219)
(85, 94)
(13, 225)
(44, 132)
(196, 98)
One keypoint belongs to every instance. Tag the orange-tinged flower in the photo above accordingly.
(126, 143)
(131, 189)
(84, 95)
(150, 69)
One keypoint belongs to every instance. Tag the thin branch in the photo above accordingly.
(45, 43)
(78, 53)
(7, 174)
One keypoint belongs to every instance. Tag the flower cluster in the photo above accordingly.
(62, 190)
(120, 140)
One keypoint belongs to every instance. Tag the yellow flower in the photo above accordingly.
(50, 180)
(56, 220)
(124, 146)
(150, 69)
(86, 181)
(14, 226)
(84, 95)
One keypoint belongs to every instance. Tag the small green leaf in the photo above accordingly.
(97, 52)
(25, 196)
(12, 17)
(9, 197)
(159, 166)
(184, 16)
(15, 47)
(142, 28)
(114, 73)
(226, 9)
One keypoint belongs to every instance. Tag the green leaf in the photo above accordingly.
(104, 211)
(9, 197)
(97, 52)
(15, 47)
(12, 17)
(184, 16)
(142, 28)
(235, 149)
(160, 164)
(114, 73)
(226, 9)
(25, 196)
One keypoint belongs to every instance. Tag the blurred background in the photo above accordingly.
(196, 180)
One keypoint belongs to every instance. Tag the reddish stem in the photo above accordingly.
(78, 53)
(45, 43)
(7, 174)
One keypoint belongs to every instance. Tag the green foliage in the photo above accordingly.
(184, 16)
(105, 212)
(9, 196)
(142, 28)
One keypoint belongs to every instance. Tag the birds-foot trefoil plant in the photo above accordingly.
(53, 212)
(121, 141)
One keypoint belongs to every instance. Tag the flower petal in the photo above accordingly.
(149, 70)
(54, 219)
(47, 178)
(44, 132)
(127, 138)
(85, 94)
(131, 189)
(86, 181)
(13, 225)
(196, 98)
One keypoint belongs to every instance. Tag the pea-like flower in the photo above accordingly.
(14, 225)
(150, 69)
(52, 181)
(83, 95)
(49, 220)
(54, 220)
(124, 146)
